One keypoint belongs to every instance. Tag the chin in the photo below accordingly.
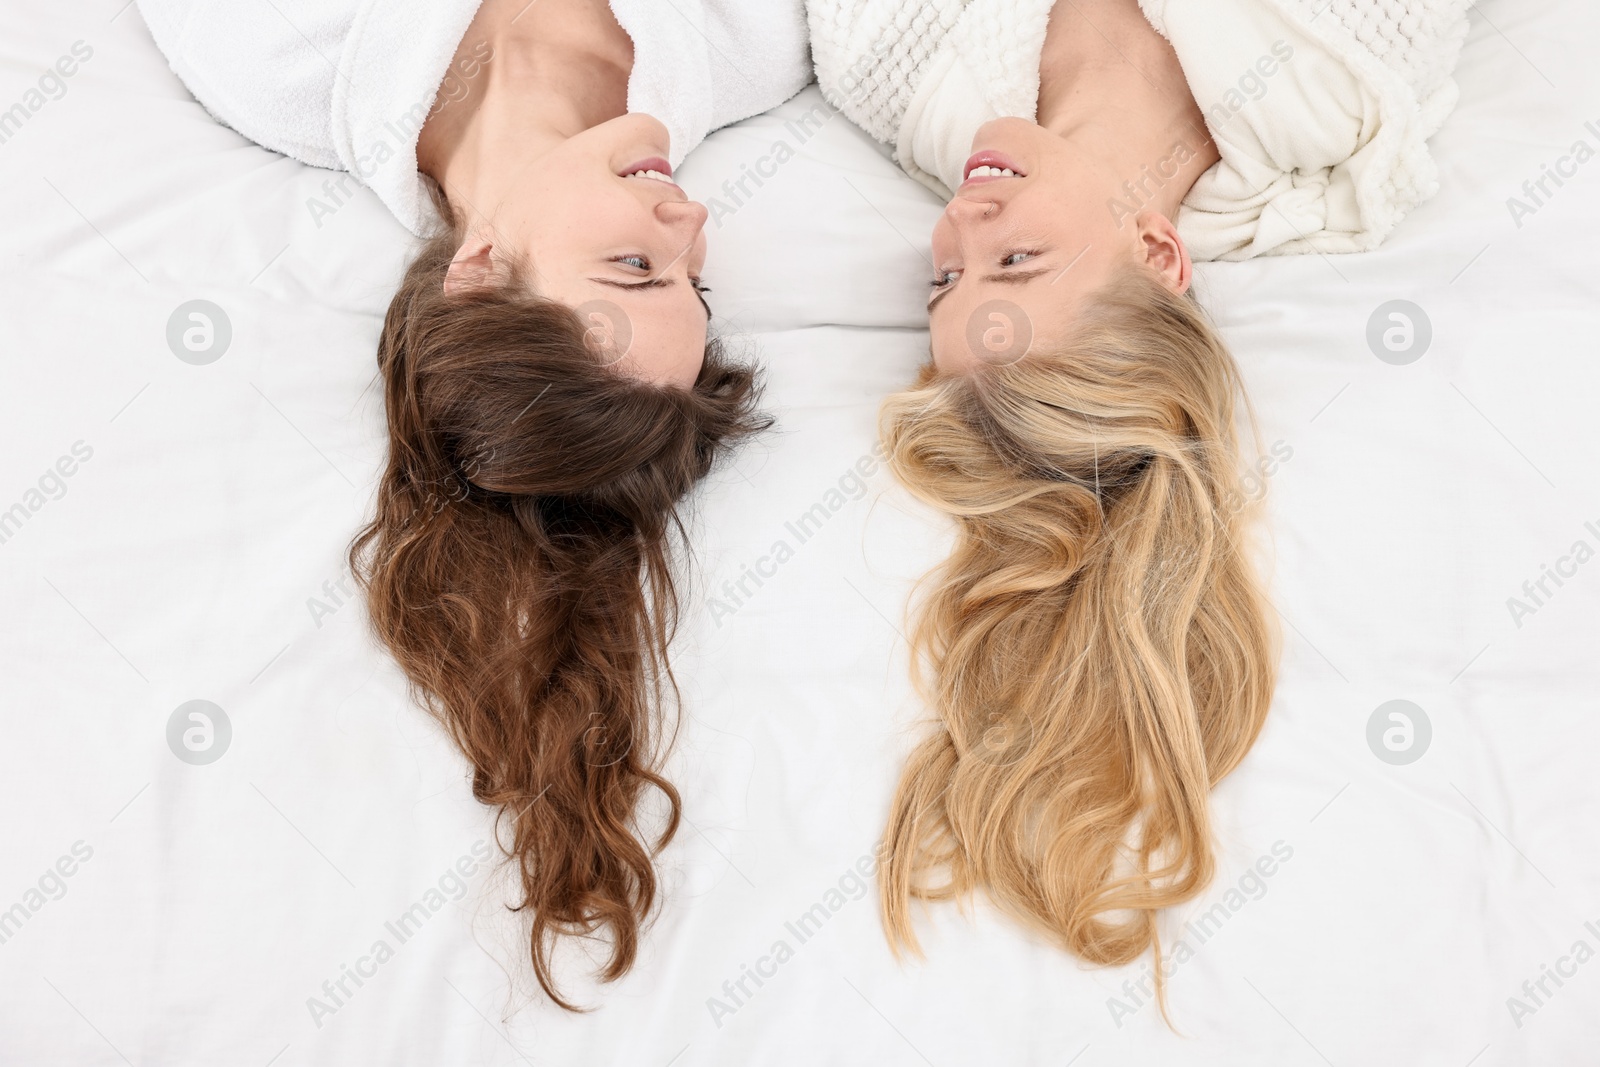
(998, 133)
(637, 131)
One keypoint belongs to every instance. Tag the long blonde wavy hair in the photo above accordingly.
(1097, 646)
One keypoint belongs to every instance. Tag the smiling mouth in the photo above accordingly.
(654, 169)
(987, 166)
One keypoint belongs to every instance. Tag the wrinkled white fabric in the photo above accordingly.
(1320, 109)
(347, 84)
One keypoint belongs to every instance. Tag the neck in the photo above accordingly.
(554, 68)
(1112, 86)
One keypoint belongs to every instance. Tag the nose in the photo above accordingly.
(687, 216)
(966, 209)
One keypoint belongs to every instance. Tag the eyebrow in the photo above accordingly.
(653, 283)
(1015, 277)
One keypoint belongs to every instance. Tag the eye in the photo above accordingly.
(636, 262)
(700, 292)
(945, 278)
(1016, 257)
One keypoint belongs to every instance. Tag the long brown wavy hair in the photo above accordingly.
(1097, 646)
(519, 567)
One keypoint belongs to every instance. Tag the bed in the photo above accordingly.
(230, 836)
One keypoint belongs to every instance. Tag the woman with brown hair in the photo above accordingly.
(550, 389)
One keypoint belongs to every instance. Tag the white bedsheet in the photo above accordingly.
(197, 554)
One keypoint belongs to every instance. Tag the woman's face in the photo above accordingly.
(623, 248)
(1015, 255)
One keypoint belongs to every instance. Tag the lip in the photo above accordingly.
(989, 159)
(651, 163)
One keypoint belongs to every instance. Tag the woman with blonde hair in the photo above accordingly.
(551, 392)
(1097, 647)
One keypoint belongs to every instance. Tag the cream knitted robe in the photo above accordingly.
(1320, 109)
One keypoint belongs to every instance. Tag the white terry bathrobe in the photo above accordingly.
(347, 84)
(1326, 153)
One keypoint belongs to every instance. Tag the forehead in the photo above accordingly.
(996, 323)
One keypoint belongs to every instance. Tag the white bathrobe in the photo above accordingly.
(347, 84)
(1320, 109)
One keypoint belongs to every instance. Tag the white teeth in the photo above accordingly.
(653, 175)
(991, 172)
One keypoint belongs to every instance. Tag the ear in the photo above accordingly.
(1163, 251)
(473, 266)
